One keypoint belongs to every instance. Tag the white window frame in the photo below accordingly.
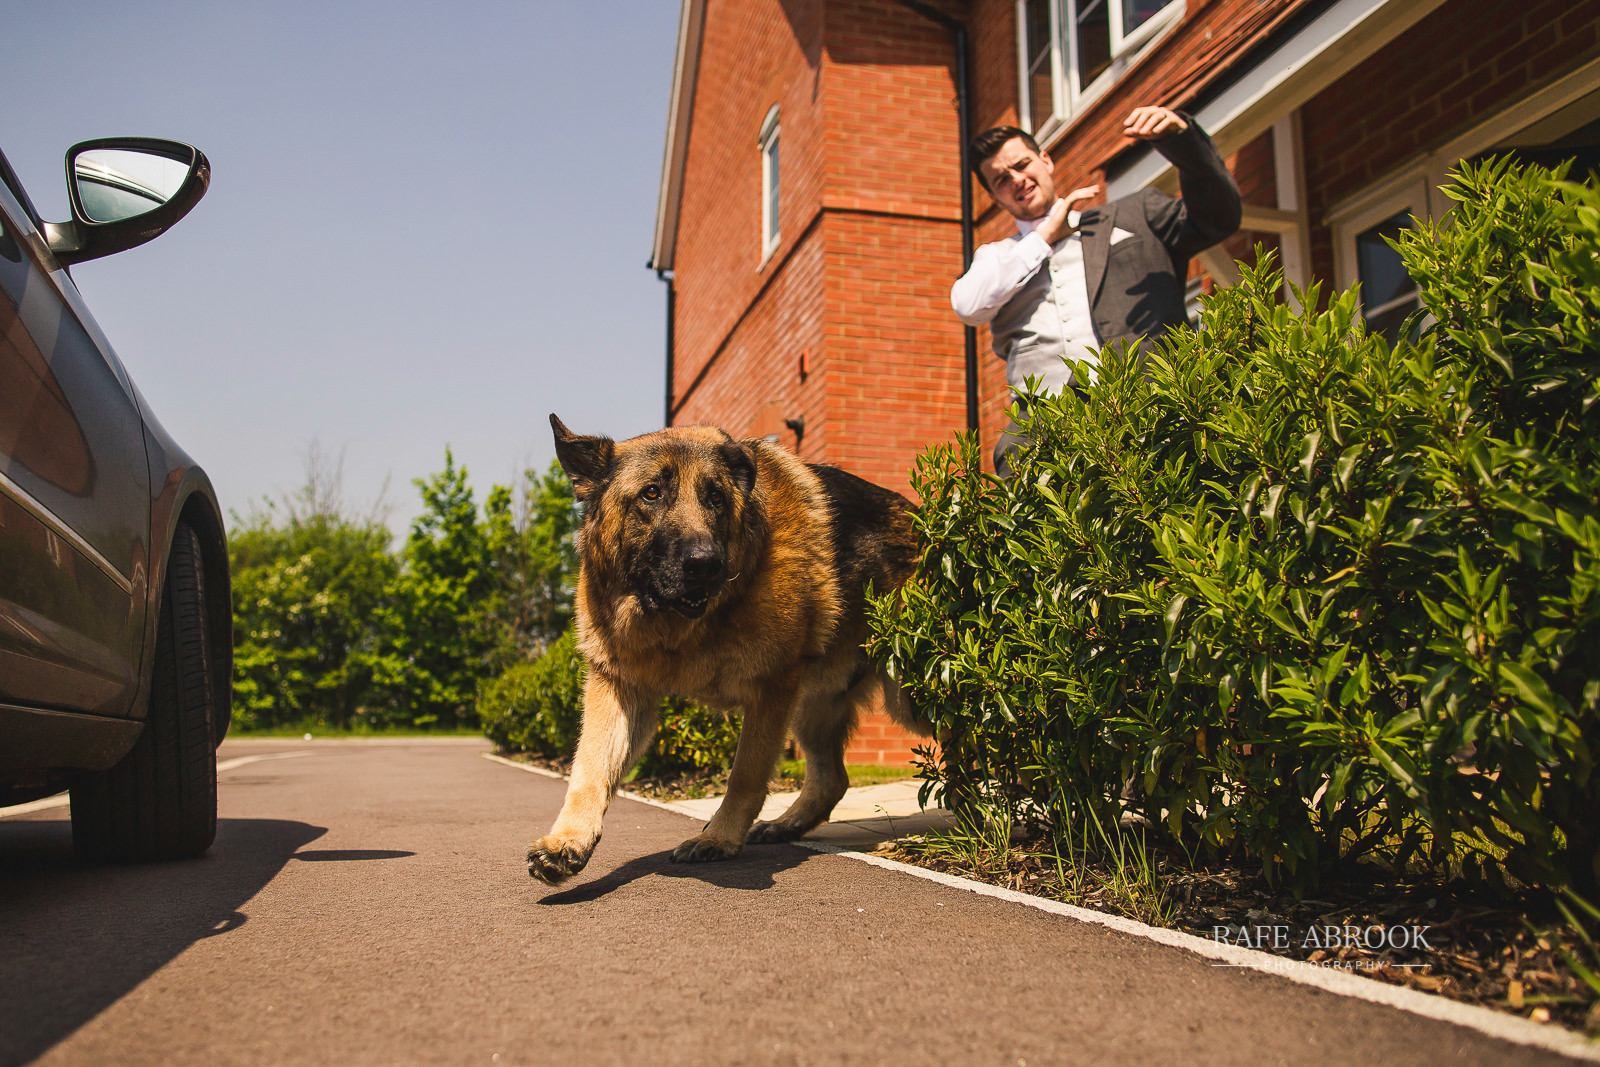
(771, 222)
(1068, 97)
(1410, 190)
(1406, 191)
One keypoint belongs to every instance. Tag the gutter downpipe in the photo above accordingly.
(963, 125)
(672, 300)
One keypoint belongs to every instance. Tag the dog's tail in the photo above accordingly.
(878, 692)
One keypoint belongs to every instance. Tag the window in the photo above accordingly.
(1362, 231)
(769, 184)
(1388, 294)
(1561, 121)
(1071, 50)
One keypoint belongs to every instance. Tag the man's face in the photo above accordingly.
(1020, 179)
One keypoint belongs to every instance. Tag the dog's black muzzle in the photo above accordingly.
(686, 581)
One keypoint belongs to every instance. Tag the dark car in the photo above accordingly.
(115, 617)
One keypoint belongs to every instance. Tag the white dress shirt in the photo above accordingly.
(1001, 269)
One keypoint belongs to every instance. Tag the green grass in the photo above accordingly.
(860, 773)
(1106, 869)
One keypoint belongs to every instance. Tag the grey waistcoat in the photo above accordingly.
(1030, 331)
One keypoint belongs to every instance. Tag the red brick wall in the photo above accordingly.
(880, 742)
(1458, 66)
(868, 168)
(753, 54)
(895, 370)
(757, 368)
(871, 241)
(1257, 176)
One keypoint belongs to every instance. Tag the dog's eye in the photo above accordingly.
(651, 492)
(714, 498)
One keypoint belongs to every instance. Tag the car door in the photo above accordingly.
(74, 492)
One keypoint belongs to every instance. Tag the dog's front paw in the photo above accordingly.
(767, 833)
(705, 848)
(553, 859)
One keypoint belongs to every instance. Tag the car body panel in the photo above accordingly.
(92, 489)
(72, 456)
(61, 739)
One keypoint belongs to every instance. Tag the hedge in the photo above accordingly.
(1292, 593)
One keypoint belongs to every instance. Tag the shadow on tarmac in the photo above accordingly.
(753, 870)
(78, 937)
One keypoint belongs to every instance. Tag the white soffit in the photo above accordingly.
(685, 68)
(1325, 49)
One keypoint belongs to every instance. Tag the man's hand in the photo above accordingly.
(1055, 225)
(1152, 123)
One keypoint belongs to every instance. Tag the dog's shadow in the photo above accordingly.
(753, 870)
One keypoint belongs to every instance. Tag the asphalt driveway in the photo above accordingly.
(367, 903)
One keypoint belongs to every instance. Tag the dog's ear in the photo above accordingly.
(740, 458)
(587, 460)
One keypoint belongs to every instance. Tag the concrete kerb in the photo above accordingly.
(1485, 1021)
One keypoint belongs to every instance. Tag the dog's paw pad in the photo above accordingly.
(704, 850)
(554, 863)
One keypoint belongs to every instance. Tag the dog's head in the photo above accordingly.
(669, 514)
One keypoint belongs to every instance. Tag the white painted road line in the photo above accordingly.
(541, 772)
(61, 800)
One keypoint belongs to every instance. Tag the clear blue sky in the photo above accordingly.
(427, 225)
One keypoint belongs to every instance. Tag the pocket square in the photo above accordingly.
(1118, 234)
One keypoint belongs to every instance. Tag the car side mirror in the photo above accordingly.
(125, 191)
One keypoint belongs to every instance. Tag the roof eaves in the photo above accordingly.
(691, 19)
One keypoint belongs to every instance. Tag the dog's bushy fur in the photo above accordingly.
(733, 573)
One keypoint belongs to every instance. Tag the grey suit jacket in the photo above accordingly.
(1136, 288)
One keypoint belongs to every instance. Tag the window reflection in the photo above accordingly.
(1388, 294)
(1094, 40)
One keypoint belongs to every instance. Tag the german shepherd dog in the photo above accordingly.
(732, 573)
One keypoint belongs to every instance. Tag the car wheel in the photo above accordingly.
(160, 801)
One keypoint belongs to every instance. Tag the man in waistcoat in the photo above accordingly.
(1069, 283)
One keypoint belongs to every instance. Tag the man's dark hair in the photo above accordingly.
(984, 147)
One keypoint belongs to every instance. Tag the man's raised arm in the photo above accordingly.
(1210, 209)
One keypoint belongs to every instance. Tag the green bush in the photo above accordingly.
(1303, 596)
(538, 707)
(691, 738)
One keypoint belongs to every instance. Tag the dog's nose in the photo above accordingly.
(702, 563)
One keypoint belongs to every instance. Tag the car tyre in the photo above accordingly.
(160, 801)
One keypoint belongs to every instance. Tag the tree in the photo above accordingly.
(532, 545)
(436, 640)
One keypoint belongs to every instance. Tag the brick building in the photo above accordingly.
(810, 215)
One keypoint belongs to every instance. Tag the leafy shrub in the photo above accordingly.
(538, 707)
(1300, 594)
(303, 589)
(333, 628)
(691, 738)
